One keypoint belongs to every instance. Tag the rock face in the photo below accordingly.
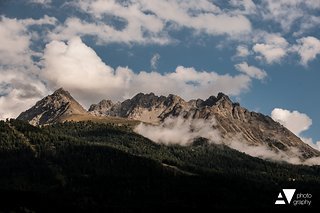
(231, 119)
(144, 107)
(52, 108)
(102, 108)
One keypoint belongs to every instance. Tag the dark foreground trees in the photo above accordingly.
(88, 166)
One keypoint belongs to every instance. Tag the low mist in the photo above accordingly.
(181, 131)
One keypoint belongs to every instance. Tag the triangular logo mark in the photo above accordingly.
(289, 194)
(280, 195)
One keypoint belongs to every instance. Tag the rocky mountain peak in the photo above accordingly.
(172, 100)
(102, 108)
(52, 108)
(212, 100)
(61, 91)
(224, 102)
(101, 105)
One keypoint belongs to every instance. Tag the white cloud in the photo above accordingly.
(273, 49)
(42, 21)
(310, 23)
(246, 6)
(242, 51)
(183, 131)
(19, 90)
(136, 26)
(252, 71)
(201, 16)
(310, 142)
(154, 61)
(308, 48)
(148, 21)
(76, 67)
(180, 131)
(43, 2)
(16, 40)
(287, 13)
(20, 87)
(104, 33)
(262, 151)
(295, 121)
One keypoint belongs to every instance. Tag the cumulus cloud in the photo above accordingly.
(310, 142)
(77, 67)
(18, 91)
(242, 51)
(287, 13)
(20, 86)
(308, 48)
(309, 24)
(16, 40)
(190, 14)
(245, 6)
(134, 30)
(148, 21)
(154, 61)
(273, 48)
(296, 122)
(252, 71)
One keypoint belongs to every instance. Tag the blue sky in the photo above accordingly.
(264, 54)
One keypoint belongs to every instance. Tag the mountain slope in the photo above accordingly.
(52, 109)
(233, 121)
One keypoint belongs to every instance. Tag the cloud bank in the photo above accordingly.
(77, 68)
(148, 21)
(181, 131)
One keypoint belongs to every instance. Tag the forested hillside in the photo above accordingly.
(87, 166)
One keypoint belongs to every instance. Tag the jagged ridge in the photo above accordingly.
(231, 119)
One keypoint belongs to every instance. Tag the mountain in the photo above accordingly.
(102, 166)
(52, 109)
(232, 120)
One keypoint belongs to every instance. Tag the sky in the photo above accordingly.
(264, 54)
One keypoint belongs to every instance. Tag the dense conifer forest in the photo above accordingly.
(88, 166)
